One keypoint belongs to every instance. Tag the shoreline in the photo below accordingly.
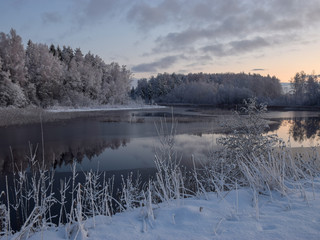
(237, 106)
(32, 114)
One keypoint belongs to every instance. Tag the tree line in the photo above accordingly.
(46, 76)
(202, 88)
(305, 89)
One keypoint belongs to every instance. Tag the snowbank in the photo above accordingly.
(233, 217)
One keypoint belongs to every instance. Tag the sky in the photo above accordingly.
(275, 37)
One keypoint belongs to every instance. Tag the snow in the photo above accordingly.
(58, 109)
(235, 216)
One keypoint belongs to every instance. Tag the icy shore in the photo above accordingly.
(235, 216)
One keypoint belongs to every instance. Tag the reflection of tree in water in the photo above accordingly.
(95, 148)
(302, 129)
(58, 154)
(273, 126)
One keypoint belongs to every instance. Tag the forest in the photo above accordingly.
(227, 89)
(45, 76)
(213, 89)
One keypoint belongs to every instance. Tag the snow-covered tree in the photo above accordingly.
(91, 75)
(67, 55)
(13, 56)
(10, 93)
(116, 83)
(13, 71)
(201, 88)
(313, 90)
(298, 84)
(45, 72)
(43, 75)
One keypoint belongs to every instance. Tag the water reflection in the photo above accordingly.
(303, 129)
(58, 154)
(113, 145)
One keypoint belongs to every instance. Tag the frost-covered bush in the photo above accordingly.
(244, 146)
(169, 183)
(247, 132)
(11, 94)
(250, 157)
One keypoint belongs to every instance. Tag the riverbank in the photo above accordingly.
(232, 217)
(238, 106)
(32, 114)
(290, 209)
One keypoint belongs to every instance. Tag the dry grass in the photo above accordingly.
(20, 116)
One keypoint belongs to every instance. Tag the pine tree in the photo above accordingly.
(52, 49)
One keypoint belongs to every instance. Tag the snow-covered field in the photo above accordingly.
(234, 216)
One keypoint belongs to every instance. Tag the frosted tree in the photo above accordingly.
(92, 75)
(227, 88)
(45, 76)
(10, 93)
(74, 79)
(144, 90)
(298, 84)
(53, 50)
(67, 55)
(45, 72)
(116, 83)
(74, 71)
(13, 69)
(313, 90)
(13, 56)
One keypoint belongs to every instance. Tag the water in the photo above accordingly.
(126, 140)
(120, 142)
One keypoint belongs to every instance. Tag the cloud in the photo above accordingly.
(98, 8)
(198, 23)
(162, 63)
(200, 30)
(147, 17)
(215, 49)
(173, 41)
(247, 45)
(51, 17)
(258, 69)
(88, 12)
(237, 47)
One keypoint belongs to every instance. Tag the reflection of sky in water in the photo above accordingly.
(291, 114)
(283, 133)
(117, 146)
(136, 154)
(139, 152)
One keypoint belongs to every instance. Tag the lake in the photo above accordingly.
(125, 140)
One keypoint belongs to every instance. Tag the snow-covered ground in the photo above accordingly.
(103, 108)
(235, 216)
